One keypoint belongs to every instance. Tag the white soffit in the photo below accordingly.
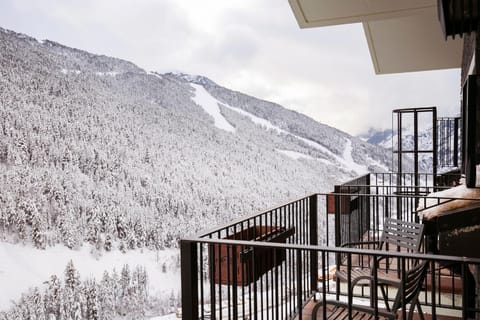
(412, 43)
(316, 13)
(402, 35)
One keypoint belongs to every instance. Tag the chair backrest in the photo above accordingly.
(410, 286)
(402, 234)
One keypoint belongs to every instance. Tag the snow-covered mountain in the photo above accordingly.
(388, 139)
(98, 154)
(382, 138)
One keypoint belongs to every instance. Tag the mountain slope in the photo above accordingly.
(96, 151)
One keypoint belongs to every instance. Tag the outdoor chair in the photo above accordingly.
(398, 235)
(408, 289)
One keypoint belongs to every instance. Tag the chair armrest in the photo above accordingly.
(360, 243)
(380, 280)
(361, 308)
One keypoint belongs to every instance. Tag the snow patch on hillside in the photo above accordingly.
(108, 73)
(257, 120)
(294, 154)
(153, 73)
(69, 71)
(347, 156)
(23, 267)
(210, 105)
(377, 164)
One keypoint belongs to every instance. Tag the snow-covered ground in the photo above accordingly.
(22, 267)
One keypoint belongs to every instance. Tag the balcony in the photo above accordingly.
(281, 263)
(226, 274)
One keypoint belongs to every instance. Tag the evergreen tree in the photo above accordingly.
(92, 312)
(53, 298)
(106, 297)
(72, 277)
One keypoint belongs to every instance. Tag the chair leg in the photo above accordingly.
(385, 297)
(415, 303)
(315, 310)
(420, 312)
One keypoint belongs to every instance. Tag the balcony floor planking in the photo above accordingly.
(307, 314)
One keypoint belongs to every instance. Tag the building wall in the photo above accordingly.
(471, 146)
(470, 54)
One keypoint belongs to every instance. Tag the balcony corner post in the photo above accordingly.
(189, 274)
(313, 241)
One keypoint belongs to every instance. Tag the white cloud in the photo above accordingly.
(247, 45)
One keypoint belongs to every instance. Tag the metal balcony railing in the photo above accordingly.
(272, 265)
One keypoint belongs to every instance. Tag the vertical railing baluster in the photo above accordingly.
(211, 259)
(404, 281)
(433, 288)
(229, 277)
(298, 256)
(202, 302)
(465, 290)
(189, 274)
(220, 298)
(324, 290)
(349, 285)
(234, 283)
(313, 210)
(291, 260)
(373, 289)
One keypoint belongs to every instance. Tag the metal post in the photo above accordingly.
(464, 127)
(415, 150)
(399, 147)
(313, 242)
(189, 274)
(435, 146)
(470, 159)
(399, 164)
(298, 257)
(455, 142)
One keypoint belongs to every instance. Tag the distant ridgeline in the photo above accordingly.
(94, 149)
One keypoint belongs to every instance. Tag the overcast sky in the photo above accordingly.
(252, 46)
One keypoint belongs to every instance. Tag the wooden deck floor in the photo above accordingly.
(307, 314)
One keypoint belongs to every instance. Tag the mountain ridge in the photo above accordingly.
(100, 157)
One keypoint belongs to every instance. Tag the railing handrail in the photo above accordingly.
(391, 186)
(409, 173)
(395, 196)
(353, 194)
(357, 178)
(251, 216)
(371, 252)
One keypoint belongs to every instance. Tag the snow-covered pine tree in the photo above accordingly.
(72, 277)
(92, 312)
(53, 298)
(106, 297)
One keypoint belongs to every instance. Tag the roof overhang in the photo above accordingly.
(402, 36)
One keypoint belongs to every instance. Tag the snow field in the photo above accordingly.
(22, 267)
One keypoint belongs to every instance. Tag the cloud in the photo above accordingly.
(251, 46)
